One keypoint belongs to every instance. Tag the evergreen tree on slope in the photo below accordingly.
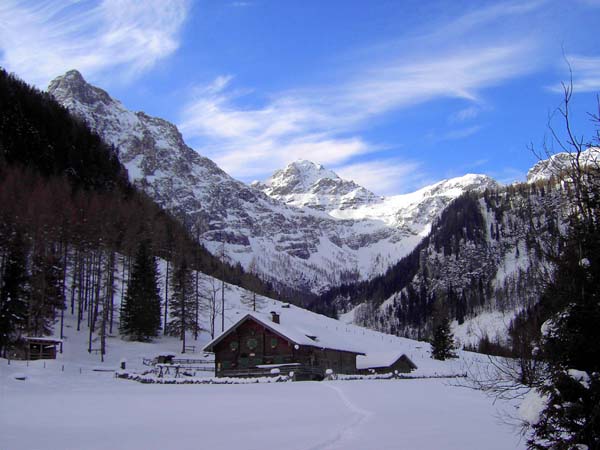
(182, 302)
(571, 347)
(571, 337)
(140, 312)
(46, 296)
(442, 344)
(14, 293)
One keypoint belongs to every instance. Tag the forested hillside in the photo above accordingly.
(488, 252)
(70, 219)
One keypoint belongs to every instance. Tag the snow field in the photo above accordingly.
(81, 408)
(67, 411)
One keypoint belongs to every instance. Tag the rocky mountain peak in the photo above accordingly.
(305, 183)
(72, 87)
(298, 177)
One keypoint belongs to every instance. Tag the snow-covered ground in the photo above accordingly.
(75, 401)
(93, 410)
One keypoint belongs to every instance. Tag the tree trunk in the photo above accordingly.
(166, 298)
(110, 292)
(197, 308)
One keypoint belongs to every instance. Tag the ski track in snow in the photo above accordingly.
(348, 431)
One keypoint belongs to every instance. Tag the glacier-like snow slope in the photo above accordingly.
(305, 227)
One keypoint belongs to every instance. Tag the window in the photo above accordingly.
(274, 342)
(234, 345)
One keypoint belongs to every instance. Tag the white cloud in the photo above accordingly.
(453, 135)
(254, 142)
(465, 114)
(586, 73)
(385, 177)
(40, 40)
(323, 123)
(451, 74)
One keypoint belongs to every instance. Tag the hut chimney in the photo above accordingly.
(274, 317)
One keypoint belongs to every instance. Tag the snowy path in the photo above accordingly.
(348, 431)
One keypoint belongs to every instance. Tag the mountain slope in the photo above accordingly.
(314, 231)
(483, 263)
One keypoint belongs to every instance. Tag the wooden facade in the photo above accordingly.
(251, 347)
(41, 348)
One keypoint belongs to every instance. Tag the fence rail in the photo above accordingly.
(198, 365)
(299, 372)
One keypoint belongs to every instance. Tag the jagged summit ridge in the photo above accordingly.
(305, 183)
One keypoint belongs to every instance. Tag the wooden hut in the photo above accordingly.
(41, 347)
(384, 362)
(258, 345)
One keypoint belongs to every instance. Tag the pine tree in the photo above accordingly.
(571, 348)
(46, 291)
(442, 344)
(571, 336)
(14, 293)
(182, 305)
(141, 312)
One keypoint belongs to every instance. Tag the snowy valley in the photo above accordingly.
(148, 299)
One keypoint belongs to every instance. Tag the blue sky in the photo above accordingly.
(393, 94)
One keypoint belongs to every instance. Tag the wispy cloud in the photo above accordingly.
(452, 135)
(254, 142)
(42, 39)
(586, 73)
(323, 123)
(465, 114)
(385, 177)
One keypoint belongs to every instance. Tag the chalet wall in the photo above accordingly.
(252, 344)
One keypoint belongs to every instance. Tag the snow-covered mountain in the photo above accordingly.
(559, 162)
(304, 183)
(305, 227)
(485, 262)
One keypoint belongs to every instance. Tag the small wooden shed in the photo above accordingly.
(39, 347)
(384, 362)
